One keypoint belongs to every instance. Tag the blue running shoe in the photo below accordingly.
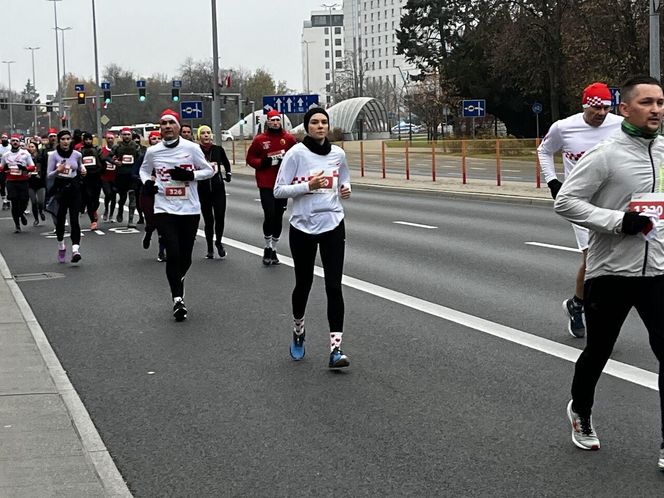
(338, 359)
(297, 346)
(574, 312)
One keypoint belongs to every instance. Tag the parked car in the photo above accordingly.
(405, 128)
(226, 136)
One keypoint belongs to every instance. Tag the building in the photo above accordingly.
(322, 53)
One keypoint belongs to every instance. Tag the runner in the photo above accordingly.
(176, 163)
(212, 192)
(125, 155)
(147, 201)
(617, 191)
(136, 179)
(95, 166)
(17, 165)
(575, 135)
(186, 132)
(315, 174)
(4, 147)
(265, 155)
(65, 166)
(37, 184)
(108, 177)
(46, 152)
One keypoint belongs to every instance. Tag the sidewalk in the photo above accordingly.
(48, 444)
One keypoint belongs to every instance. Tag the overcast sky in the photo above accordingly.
(152, 36)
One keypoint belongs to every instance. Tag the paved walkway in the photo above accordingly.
(48, 444)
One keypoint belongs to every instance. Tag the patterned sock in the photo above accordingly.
(335, 340)
(298, 325)
(268, 241)
(275, 241)
(177, 300)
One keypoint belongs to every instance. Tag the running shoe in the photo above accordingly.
(338, 359)
(93, 225)
(119, 218)
(273, 257)
(574, 313)
(297, 346)
(161, 257)
(141, 220)
(130, 223)
(42, 215)
(17, 229)
(660, 463)
(24, 220)
(105, 217)
(209, 255)
(147, 238)
(583, 434)
(220, 249)
(267, 256)
(76, 257)
(35, 223)
(179, 311)
(62, 254)
(5, 205)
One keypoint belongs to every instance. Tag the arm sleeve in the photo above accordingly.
(202, 169)
(573, 200)
(283, 187)
(254, 155)
(145, 172)
(551, 144)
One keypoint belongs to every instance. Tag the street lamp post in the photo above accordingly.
(11, 106)
(307, 43)
(329, 8)
(655, 7)
(97, 97)
(216, 107)
(34, 85)
(64, 60)
(57, 55)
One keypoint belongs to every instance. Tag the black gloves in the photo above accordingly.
(150, 188)
(228, 177)
(554, 185)
(634, 223)
(266, 162)
(181, 175)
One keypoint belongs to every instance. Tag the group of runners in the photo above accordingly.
(612, 193)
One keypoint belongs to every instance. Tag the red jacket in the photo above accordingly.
(265, 145)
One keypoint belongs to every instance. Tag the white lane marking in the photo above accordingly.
(100, 232)
(407, 223)
(551, 246)
(614, 368)
(510, 170)
(480, 169)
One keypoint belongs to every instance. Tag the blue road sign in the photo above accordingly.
(289, 103)
(140, 83)
(537, 108)
(615, 96)
(191, 110)
(79, 88)
(177, 83)
(105, 86)
(474, 108)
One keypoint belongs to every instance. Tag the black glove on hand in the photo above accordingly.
(182, 175)
(266, 162)
(555, 185)
(228, 177)
(634, 223)
(150, 188)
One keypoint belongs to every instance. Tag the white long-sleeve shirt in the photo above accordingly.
(573, 136)
(320, 210)
(175, 197)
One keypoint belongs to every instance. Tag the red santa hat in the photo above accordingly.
(125, 129)
(273, 114)
(154, 133)
(596, 94)
(52, 131)
(16, 136)
(169, 114)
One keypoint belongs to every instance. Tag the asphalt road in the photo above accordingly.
(429, 407)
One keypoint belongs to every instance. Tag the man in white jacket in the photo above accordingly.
(617, 191)
(573, 136)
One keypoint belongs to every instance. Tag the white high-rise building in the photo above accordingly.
(322, 53)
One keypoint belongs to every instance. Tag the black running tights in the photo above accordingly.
(273, 211)
(178, 233)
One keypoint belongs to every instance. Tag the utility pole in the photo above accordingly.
(655, 71)
(11, 107)
(34, 86)
(57, 59)
(216, 107)
(97, 96)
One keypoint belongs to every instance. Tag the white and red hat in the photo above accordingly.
(273, 114)
(16, 136)
(126, 129)
(596, 94)
(4, 135)
(171, 115)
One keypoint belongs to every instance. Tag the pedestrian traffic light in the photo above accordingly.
(28, 106)
(81, 97)
(141, 95)
(107, 97)
(49, 106)
(175, 94)
(3, 104)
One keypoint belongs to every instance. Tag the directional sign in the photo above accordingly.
(140, 83)
(79, 87)
(475, 108)
(105, 86)
(537, 108)
(289, 104)
(191, 110)
(177, 83)
(615, 96)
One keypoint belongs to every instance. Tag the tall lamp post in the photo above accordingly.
(216, 107)
(34, 85)
(11, 106)
(329, 8)
(57, 56)
(97, 97)
(64, 60)
(655, 7)
(307, 43)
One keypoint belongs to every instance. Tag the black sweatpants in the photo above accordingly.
(607, 301)
(273, 211)
(69, 201)
(213, 209)
(92, 188)
(303, 248)
(178, 233)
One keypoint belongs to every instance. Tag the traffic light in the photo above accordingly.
(107, 97)
(49, 106)
(28, 106)
(175, 94)
(81, 97)
(141, 95)
(3, 104)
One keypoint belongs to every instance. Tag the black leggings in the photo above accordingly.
(213, 208)
(17, 192)
(607, 301)
(303, 248)
(69, 200)
(178, 233)
(92, 185)
(109, 196)
(273, 209)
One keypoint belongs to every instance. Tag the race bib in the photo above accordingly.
(650, 200)
(110, 166)
(127, 159)
(330, 181)
(276, 156)
(14, 171)
(65, 172)
(181, 192)
(89, 161)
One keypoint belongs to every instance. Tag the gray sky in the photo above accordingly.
(152, 37)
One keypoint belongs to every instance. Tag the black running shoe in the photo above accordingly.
(24, 220)
(119, 218)
(220, 249)
(147, 237)
(273, 257)
(179, 311)
(267, 256)
(210, 255)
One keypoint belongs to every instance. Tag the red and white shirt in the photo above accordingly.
(17, 165)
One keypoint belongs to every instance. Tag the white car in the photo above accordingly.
(226, 136)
